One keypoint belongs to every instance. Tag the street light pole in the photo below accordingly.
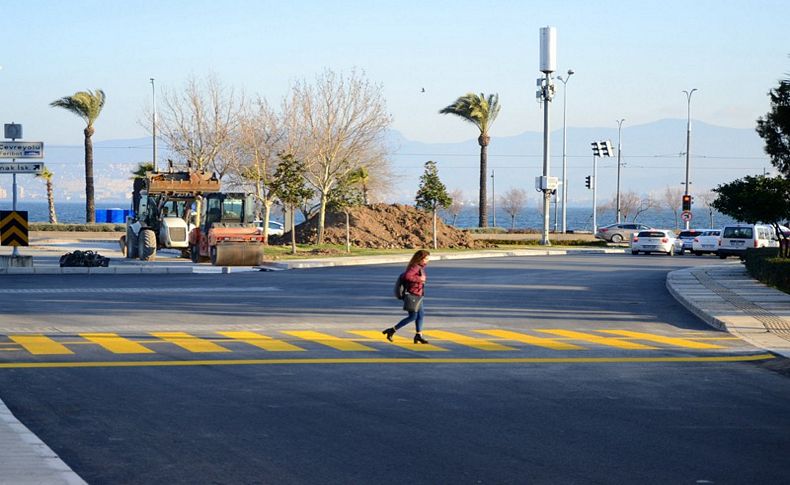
(688, 141)
(153, 130)
(564, 156)
(619, 151)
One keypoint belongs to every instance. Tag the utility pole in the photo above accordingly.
(493, 197)
(564, 156)
(548, 63)
(688, 142)
(153, 130)
(619, 152)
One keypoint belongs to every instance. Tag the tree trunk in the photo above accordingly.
(53, 218)
(90, 203)
(483, 203)
(435, 245)
(267, 211)
(348, 232)
(512, 222)
(321, 218)
(292, 214)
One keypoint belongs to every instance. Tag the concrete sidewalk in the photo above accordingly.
(726, 297)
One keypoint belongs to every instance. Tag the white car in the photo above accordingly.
(275, 228)
(707, 242)
(654, 241)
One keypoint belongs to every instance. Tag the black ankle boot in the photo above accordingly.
(419, 340)
(389, 333)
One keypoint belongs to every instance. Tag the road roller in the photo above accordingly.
(226, 234)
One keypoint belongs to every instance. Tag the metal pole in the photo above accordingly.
(619, 151)
(564, 156)
(595, 194)
(493, 197)
(688, 142)
(546, 169)
(15, 250)
(153, 128)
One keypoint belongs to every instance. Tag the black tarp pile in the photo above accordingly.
(85, 259)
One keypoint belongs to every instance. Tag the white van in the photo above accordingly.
(735, 239)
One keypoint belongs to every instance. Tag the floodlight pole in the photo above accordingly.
(688, 142)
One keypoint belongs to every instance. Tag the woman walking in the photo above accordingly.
(414, 279)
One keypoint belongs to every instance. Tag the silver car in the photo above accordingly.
(654, 241)
(619, 232)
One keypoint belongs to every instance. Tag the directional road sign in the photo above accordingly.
(21, 149)
(21, 167)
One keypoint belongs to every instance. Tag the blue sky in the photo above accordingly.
(632, 59)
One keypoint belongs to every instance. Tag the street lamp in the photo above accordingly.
(564, 157)
(619, 151)
(688, 142)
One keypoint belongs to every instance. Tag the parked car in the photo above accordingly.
(275, 228)
(736, 238)
(684, 240)
(707, 242)
(654, 241)
(619, 232)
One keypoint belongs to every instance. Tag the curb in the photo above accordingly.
(299, 263)
(754, 332)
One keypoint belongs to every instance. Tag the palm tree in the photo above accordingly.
(361, 176)
(480, 111)
(87, 105)
(47, 175)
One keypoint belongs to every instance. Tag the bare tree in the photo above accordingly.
(340, 124)
(457, 205)
(198, 122)
(629, 203)
(707, 197)
(646, 203)
(253, 154)
(671, 199)
(513, 202)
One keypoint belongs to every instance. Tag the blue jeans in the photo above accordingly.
(413, 316)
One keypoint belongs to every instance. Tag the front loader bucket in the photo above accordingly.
(237, 254)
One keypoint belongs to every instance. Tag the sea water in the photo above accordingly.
(578, 218)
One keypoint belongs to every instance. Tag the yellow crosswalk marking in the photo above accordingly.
(531, 340)
(262, 341)
(115, 343)
(596, 339)
(331, 341)
(40, 345)
(189, 342)
(473, 342)
(677, 342)
(399, 341)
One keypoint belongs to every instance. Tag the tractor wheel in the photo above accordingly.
(131, 244)
(147, 246)
(194, 253)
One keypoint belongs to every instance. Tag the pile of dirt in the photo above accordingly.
(382, 226)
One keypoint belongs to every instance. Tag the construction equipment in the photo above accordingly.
(227, 234)
(162, 205)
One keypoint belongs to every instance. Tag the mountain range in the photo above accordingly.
(652, 157)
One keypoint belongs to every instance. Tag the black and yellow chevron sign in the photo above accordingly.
(13, 228)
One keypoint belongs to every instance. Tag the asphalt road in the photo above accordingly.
(571, 369)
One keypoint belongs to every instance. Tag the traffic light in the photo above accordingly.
(602, 148)
(686, 202)
(587, 181)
